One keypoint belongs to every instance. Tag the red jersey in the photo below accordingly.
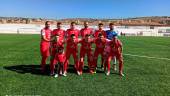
(86, 45)
(59, 43)
(72, 31)
(61, 57)
(72, 45)
(115, 46)
(85, 31)
(47, 33)
(100, 44)
(60, 32)
(60, 49)
(97, 32)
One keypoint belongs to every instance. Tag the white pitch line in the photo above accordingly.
(147, 57)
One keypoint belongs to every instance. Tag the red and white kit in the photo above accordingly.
(61, 34)
(100, 45)
(55, 46)
(85, 31)
(45, 46)
(86, 49)
(97, 32)
(115, 50)
(71, 49)
(69, 32)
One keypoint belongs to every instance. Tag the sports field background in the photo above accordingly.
(20, 60)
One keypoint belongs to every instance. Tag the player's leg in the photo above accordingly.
(62, 68)
(89, 58)
(96, 54)
(58, 70)
(81, 62)
(76, 63)
(105, 60)
(102, 57)
(114, 63)
(52, 63)
(43, 63)
(107, 65)
(44, 48)
(68, 53)
(120, 59)
(91, 64)
(92, 68)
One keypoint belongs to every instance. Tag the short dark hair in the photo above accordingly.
(73, 23)
(100, 24)
(58, 23)
(46, 22)
(111, 24)
(100, 34)
(72, 35)
(86, 22)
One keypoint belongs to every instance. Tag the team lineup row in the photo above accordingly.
(106, 44)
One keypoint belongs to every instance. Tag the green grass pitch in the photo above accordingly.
(20, 60)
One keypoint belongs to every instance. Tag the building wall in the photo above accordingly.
(127, 30)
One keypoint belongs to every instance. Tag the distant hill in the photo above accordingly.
(137, 21)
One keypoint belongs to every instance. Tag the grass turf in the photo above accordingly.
(20, 60)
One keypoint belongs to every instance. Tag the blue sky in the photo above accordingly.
(58, 9)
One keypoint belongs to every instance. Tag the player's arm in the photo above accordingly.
(121, 49)
(43, 36)
(63, 42)
(93, 40)
(79, 40)
(53, 38)
(93, 33)
(107, 42)
(80, 33)
(121, 46)
(104, 34)
(66, 34)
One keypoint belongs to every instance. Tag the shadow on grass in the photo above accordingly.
(35, 69)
